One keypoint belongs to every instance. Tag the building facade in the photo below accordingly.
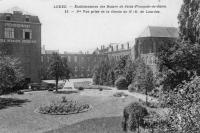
(149, 43)
(20, 37)
(80, 64)
(115, 50)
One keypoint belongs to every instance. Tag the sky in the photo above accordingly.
(82, 32)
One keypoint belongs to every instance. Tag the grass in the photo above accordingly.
(19, 117)
(96, 125)
(12, 102)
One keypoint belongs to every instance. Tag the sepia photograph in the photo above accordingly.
(99, 66)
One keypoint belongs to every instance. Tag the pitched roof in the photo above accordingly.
(154, 31)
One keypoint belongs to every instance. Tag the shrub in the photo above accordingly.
(20, 92)
(80, 88)
(149, 104)
(121, 83)
(156, 122)
(133, 117)
(131, 88)
(155, 93)
(63, 106)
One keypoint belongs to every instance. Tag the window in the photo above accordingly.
(27, 34)
(82, 68)
(9, 33)
(42, 59)
(27, 19)
(75, 59)
(76, 69)
(82, 58)
(69, 58)
(8, 18)
(122, 46)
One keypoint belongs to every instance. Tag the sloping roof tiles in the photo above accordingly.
(154, 31)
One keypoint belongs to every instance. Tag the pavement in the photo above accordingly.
(70, 84)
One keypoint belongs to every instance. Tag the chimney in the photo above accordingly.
(128, 45)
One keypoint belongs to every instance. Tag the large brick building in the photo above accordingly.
(20, 36)
(149, 42)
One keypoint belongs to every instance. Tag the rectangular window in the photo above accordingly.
(76, 69)
(75, 59)
(9, 33)
(27, 19)
(69, 58)
(27, 34)
(8, 18)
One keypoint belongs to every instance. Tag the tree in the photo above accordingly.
(59, 68)
(189, 18)
(11, 72)
(133, 117)
(178, 63)
(144, 78)
(120, 66)
(180, 60)
(102, 73)
(130, 70)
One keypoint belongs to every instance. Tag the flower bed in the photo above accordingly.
(63, 107)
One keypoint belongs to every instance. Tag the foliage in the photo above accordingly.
(120, 66)
(179, 62)
(130, 70)
(131, 88)
(63, 106)
(80, 88)
(156, 123)
(144, 79)
(121, 83)
(185, 108)
(133, 117)
(107, 71)
(11, 72)
(59, 68)
(189, 18)
(101, 72)
(20, 92)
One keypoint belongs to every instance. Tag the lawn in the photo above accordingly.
(17, 112)
(96, 125)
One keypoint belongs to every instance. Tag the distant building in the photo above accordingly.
(20, 35)
(115, 50)
(81, 65)
(148, 43)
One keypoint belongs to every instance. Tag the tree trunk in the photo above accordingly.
(146, 96)
(56, 84)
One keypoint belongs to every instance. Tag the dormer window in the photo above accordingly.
(8, 18)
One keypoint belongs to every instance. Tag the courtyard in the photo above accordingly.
(17, 112)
